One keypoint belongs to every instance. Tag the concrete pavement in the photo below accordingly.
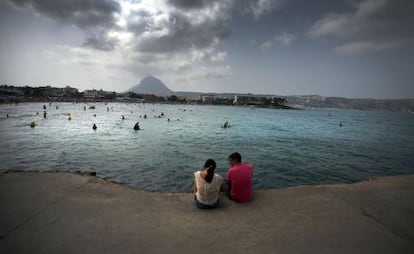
(44, 212)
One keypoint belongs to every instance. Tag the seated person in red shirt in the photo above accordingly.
(239, 179)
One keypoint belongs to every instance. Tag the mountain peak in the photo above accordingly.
(150, 85)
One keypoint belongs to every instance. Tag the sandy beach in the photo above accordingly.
(43, 212)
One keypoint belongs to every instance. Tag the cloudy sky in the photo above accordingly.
(347, 48)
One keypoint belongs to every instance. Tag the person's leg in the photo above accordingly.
(203, 206)
(200, 205)
(215, 205)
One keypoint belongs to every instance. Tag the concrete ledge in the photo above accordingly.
(72, 213)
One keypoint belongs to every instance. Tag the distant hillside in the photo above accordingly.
(151, 85)
(316, 101)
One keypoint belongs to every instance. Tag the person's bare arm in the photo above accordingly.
(195, 186)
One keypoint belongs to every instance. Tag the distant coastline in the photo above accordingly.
(13, 94)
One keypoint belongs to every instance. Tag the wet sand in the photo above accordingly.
(44, 212)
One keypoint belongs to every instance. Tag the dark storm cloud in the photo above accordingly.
(369, 19)
(92, 16)
(100, 42)
(184, 34)
(192, 24)
(187, 24)
(83, 13)
(393, 16)
(258, 8)
(139, 21)
(189, 4)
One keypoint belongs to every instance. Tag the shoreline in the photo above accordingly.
(46, 212)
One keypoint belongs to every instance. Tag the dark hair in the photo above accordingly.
(235, 156)
(210, 165)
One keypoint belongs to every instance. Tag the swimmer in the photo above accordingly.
(123, 118)
(44, 114)
(94, 127)
(136, 126)
(226, 125)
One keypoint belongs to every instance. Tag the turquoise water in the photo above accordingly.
(287, 147)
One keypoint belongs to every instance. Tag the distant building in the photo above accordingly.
(259, 100)
(70, 90)
(98, 94)
(208, 98)
(250, 99)
(11, 91)
(90, 94)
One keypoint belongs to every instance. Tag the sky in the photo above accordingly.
(343, 48)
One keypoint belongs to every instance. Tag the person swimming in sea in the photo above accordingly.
(136, 126)
(94, 127)
(226, 125)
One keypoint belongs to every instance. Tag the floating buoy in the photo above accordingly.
(32, 124)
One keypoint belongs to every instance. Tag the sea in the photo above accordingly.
(287, 147)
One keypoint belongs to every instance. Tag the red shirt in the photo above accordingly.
(240, 178)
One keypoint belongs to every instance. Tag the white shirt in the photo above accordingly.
(208, 193)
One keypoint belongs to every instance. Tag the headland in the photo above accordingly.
(45, 212)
